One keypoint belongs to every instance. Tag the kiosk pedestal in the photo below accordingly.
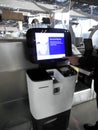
(50, 97)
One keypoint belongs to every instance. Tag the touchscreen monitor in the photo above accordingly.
(48, 44)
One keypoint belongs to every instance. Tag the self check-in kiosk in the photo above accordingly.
(51, 85)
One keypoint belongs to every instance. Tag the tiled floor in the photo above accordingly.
(17, 116)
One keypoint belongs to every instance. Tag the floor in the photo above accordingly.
(17, 116)
(83, 113)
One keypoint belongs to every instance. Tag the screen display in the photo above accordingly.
(50, 46)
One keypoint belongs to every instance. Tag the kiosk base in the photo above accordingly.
(50, 96)
(56, 122)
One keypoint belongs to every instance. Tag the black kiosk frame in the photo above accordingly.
(56, 41)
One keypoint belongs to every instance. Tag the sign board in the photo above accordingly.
(9, 15)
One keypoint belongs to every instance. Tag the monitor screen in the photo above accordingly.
(48, 44)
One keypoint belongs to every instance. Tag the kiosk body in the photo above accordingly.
(50, 86)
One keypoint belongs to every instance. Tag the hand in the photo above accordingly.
(73, 60)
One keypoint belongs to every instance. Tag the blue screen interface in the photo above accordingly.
(50, 46)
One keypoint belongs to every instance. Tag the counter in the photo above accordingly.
(13, 56)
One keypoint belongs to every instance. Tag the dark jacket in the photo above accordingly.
(91, 63)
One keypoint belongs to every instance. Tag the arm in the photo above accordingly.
(74, 60)
(84, 62)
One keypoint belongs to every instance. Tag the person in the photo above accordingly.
(89, 62)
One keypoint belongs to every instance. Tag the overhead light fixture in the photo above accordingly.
(61, 0)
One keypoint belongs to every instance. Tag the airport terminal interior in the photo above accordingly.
(39, 88)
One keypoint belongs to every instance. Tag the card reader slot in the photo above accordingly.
(51, 74)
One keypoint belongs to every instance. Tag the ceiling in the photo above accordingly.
(94, 2)
(91, 2)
